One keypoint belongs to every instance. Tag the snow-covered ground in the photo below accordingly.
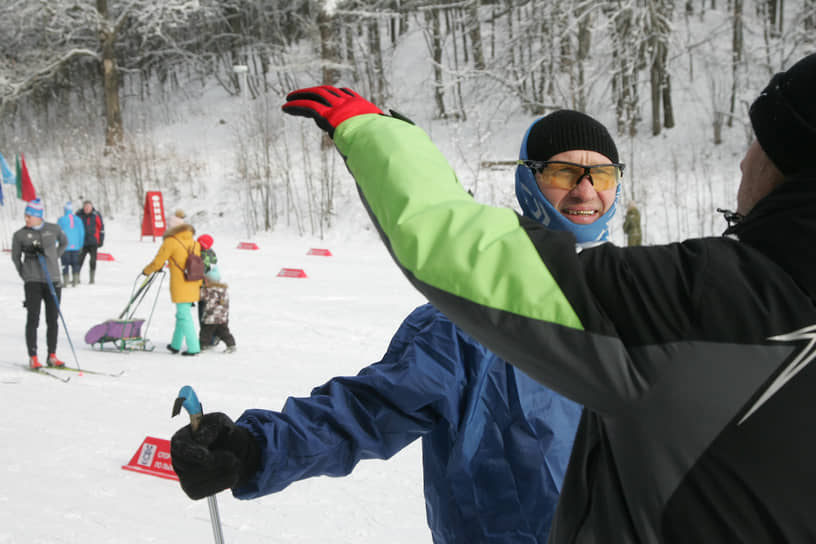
(62, 445)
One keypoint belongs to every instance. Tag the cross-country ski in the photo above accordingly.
(46, 372)
(116, 374)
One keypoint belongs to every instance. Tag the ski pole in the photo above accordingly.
(56, 301)
(188, 399)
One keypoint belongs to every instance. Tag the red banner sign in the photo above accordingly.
(153, 223)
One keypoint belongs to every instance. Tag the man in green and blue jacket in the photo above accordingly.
(482, 422)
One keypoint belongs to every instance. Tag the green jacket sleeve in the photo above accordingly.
(485, 267)
(435, 230)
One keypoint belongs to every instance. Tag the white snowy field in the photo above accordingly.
(62, 445)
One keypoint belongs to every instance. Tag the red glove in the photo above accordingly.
(328, 106)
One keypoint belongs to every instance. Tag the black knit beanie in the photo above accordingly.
(567, 130)
(784, 117)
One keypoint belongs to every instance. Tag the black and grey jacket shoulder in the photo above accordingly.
(24, 251)
(695, 360)
(706, 438)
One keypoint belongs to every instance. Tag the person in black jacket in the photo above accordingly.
(694, 361)
(94, 236)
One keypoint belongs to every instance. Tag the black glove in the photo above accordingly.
(219, 455)
(36, 248)
(328, 106)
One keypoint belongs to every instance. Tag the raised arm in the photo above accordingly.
(510, 283)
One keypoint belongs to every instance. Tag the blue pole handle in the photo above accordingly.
(188, 400)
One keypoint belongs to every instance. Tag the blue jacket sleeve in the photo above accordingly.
(371, 415)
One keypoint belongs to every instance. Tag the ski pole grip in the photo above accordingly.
(188, 400)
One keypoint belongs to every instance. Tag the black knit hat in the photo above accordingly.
(567, 130)
(784, 117)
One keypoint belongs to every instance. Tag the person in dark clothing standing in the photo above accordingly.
(694, 361)
(36, 239)
(94, 236)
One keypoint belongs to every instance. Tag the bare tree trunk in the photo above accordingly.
(781, 16)
(451, 25)
(432, 18)
(655, 75)
(393, 31)
(809, 21)
(375, 49)
(114, 132)
(624, 75)
(668, 108)
(772, 7)
(460, 22)
(584, 43)
(329, 50)
(475, 34)
(736, 58)
(717, 126)
(513, 68)
(349, 50)
(493, 32)
(659, 30)
(329, 56)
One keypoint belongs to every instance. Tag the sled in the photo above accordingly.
(121, 334)
(125, 333)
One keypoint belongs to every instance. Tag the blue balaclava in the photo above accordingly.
(562, 130)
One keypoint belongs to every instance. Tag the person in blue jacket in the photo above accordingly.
(495, 443)
(75, 232)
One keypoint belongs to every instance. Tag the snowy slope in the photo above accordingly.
(63, 444)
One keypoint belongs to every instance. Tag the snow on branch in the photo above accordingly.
(11, 91)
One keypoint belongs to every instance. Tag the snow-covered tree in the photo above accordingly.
(50, 46)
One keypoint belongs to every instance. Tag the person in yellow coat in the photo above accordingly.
(177, 243)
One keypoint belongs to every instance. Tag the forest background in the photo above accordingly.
(93, 93)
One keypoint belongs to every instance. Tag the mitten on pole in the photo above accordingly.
(328, 106)
(218, 455)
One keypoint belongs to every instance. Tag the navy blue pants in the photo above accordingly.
(70, 260)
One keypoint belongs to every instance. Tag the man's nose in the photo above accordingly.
(584, 189)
